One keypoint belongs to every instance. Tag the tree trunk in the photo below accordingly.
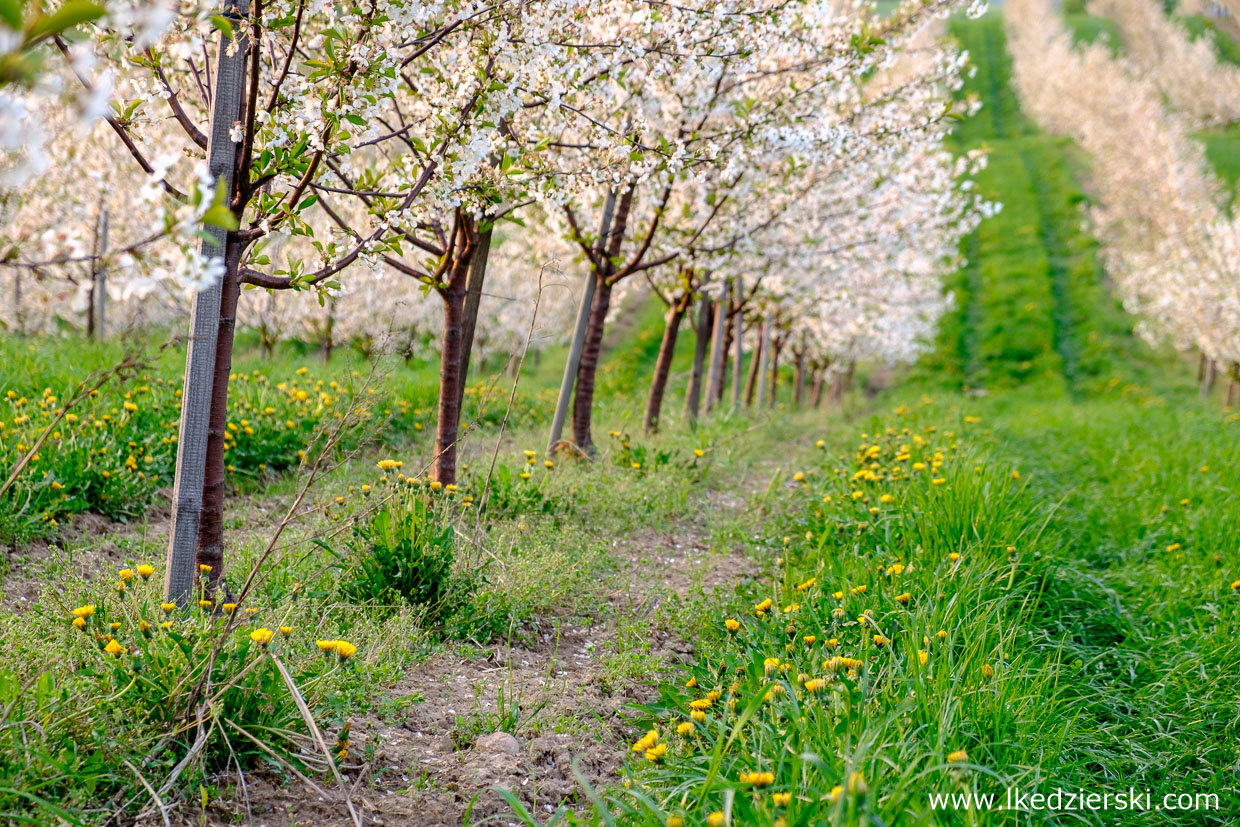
(816, 393)
(663, 366)
(211, 529)
(798, 388)
(693, 394)
(587, 368)
(776, 347)
(727, 353)
(755, 365)
(573, 364)
(1206, 375)
(583, 400)
(1233, 387)
(447, 429)
(718, 349)
(206, 329)
(473, 300)
(99, 284)
(738, 341)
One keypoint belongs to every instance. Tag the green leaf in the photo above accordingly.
(220, 216)
(72, 13)
(223, 24)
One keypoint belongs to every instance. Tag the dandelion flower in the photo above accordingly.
(675, 821)
(548, 464)
(389, 464)
(958, 757)
(168, 608)
(692, 682)
(988, 671)
(904, 598)
(758, 779)
(145, 571)
(79, 622)
(286, 630)
(327, 646)
(699, 453)
(84, 611)
(262, 636)
(1236, 586)
(125, 575)
(781, 799)
(815, 685)
(530, 454)
(701, 703)
(698, 715)
(646, 741)
(345, 649)
(204, 568)
(764, 606)
(715, 819)
(923, 657)
(684, 729)
(114, 649)
(229, 608)
(733, 626)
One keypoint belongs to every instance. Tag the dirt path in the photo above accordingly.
(445, 751)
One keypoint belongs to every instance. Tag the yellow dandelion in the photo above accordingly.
(286, 630)
(758, 779)
(904, 598)
(684, 729)
(125, 575)
(84, 611)
(262, 636)
(815, 685)
(115, 649)
(145, 571)
(733, 626)
(988, 671)
(715, 819)
(958, 757)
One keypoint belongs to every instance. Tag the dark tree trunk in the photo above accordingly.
(663, 365)
(693, 394)
(210, 550)
(727, 356)
(718, 349)
(583, 397)
(816, 393)
(1233, 387)
(473, 300)
(798, 388)
(776, 347)
(738, 339)
(447, 428)
(1207, 374)
(751, 384)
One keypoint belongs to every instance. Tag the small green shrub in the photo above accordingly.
(405, 553)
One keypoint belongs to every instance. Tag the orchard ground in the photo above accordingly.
(1014, 565)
